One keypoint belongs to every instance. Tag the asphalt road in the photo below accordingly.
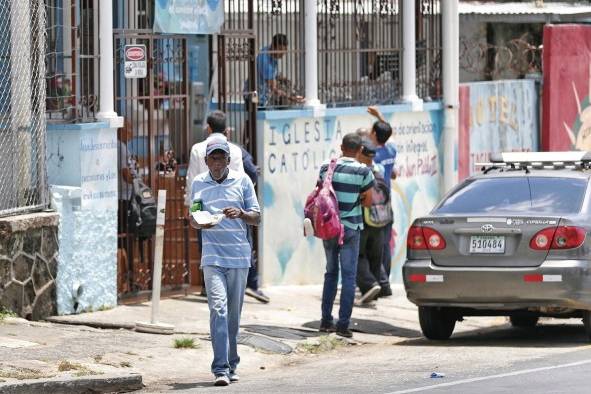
(552, 358)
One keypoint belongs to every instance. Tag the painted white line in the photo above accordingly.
(502, 375)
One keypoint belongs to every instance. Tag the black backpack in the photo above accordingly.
(143, 210)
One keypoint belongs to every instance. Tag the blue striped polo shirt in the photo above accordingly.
(225, 245)
(349, 180)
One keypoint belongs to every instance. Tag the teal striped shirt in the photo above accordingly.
(349, 180)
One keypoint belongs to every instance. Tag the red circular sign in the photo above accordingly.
(134, 54)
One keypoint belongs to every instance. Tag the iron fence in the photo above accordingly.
(157, 124)
(359, 51)
(22, 103)
(429, 49)
(72, 60)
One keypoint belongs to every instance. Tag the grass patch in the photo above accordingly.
(4, 313)
(65, 366)
(23, 374)
(325, 343)
(185, 343)
(80, 370)
(98, 358)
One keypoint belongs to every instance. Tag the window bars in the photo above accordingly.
(429, 49)
(72, 60)
(22, 95)
(359, 52)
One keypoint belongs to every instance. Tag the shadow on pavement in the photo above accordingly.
(374, 327)
(281, 332)
(192, 298)
(189, 386)
(553, 335)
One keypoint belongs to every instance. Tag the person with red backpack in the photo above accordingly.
(351, 183)
(371, 275)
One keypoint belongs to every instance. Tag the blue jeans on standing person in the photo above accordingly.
(345, 256)
(252, 281)
(225, 295)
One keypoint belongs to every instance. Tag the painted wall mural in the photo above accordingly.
(499, 116)
(567, 88)
(293, 146)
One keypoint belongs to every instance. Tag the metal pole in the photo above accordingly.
(107, 92)
(158, 249)
(409, 56)
(311, 54)
(154, 326)
(451, 79)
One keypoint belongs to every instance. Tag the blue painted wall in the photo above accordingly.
(292, 146)
(82, 172)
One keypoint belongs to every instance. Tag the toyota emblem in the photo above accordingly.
(487, 228)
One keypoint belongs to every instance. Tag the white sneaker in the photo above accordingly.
(234, 377)
(308, 228)
(221, 380)
(370, 294)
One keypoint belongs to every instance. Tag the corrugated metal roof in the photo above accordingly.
(554, 11)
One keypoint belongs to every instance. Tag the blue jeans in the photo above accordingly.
(347, 255)
(225, 295)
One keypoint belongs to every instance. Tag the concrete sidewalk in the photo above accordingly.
(290, 306)
(275, 335)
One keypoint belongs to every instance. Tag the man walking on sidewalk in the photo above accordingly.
(352, 183)
(226, 252)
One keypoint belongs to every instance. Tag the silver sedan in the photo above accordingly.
(513, 240)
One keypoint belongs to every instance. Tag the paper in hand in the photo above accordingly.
(204, 217)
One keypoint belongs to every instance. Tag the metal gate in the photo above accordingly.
(156, 112)
(235, 51)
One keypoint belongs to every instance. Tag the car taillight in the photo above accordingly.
(568, 237)
(422, 238)
(543, 239)
(563, 237)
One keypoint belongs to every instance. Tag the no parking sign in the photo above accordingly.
(135, 61)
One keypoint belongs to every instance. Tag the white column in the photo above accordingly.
(107, 65)
(451, 78)
(409, 56)
(311, 47)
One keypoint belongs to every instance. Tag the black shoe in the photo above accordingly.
(386, 291)
(344, 332)
(327, 328)
(370, 295)
(258, 295)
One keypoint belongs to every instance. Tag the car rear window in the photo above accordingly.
(516, 195)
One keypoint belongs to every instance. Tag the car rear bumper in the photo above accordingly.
(554, 284)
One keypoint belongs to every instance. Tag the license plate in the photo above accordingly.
(487, 244)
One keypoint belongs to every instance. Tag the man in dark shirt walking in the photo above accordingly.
(352, 183)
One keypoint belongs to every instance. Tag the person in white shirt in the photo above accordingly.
(216, 127)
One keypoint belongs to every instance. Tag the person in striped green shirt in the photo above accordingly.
(352, 183)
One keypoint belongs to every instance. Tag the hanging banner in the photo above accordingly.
(189, 16)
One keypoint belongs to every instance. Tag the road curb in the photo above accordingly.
(90, 323)
(91, 384)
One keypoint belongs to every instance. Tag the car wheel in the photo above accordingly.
(524, 321)
(436, 323)
(587, 323)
